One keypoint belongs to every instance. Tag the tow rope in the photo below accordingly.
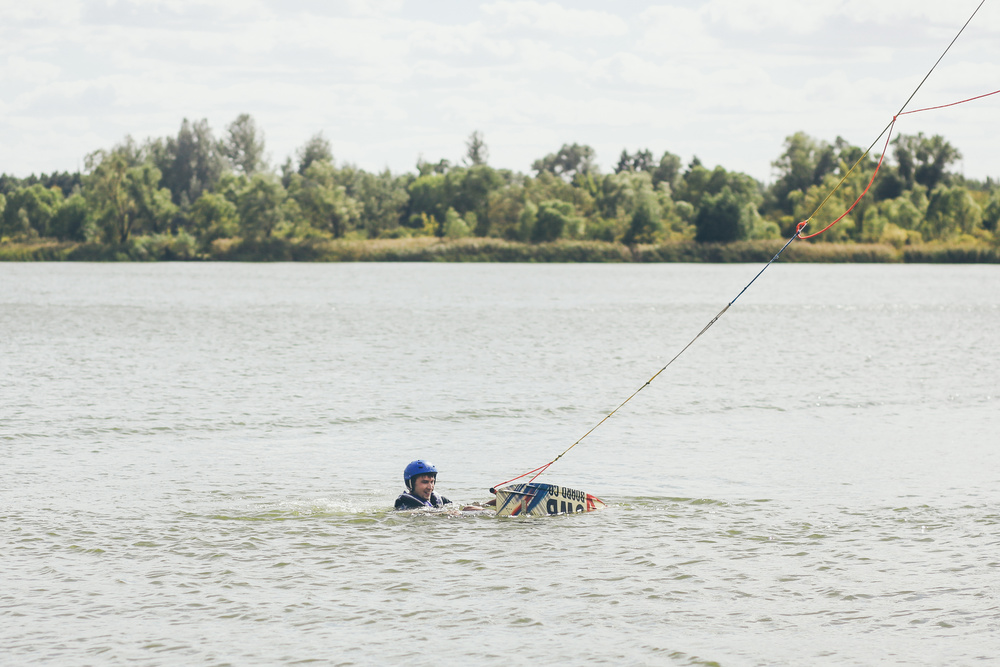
(799, 228)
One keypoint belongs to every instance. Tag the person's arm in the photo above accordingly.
(480, 506)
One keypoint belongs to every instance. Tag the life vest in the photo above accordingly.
(408, 501)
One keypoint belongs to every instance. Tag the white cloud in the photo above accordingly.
(72, 98)
(796, 18)
(50, 11)
(378, 8)
(442, 40)
(538, 56)
(725, 79)
(768, 15)
(676, 31)
(554, 18)
(353, 39)
(889, 12)
(25, 70)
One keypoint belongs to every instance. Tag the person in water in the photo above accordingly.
(420, 478)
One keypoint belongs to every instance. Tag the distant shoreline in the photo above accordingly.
(430, 249)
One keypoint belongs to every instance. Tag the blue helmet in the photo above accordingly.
(418, 467)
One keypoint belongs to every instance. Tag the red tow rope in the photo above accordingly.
(800, 226)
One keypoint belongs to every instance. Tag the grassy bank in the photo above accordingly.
(497, 250)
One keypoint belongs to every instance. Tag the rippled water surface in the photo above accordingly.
(198, 461)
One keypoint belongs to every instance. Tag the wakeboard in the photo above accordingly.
(534, 499)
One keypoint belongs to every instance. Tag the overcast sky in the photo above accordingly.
(388, 81)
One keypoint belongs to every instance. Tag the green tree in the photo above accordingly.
(718, 219)
(154, 208)
(893, 221)
(109, 194)
(548, 186)
(476, 152)
(668, 170)
(991, 214)
(526, 221)
(902, 212)
(126, 199)
(629, 207)
(613, 195)
(796, 168)
(646, 225)
(454, 226)
(65, 181)
(553, 219)
(30, 210)
(428, 197)
(951, 211)
(316, 149)
(382, 198)
(698, 184)
(505, 206)
(191, 162)
(804, 163)
(261, 206)
(838, 198)
(72, 221)
(616, 194)
(323, 201)
(726, 205)
(468, 190)
(214, 217)
(570, 160)
(923, 160)
(754, 227)
(873, 226)
(624, 162)
(243, 146)
(641, 160)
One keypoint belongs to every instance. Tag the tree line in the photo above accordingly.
(195, 193)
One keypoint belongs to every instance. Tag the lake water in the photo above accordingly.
(198, 462)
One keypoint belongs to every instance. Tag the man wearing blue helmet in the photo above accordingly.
(420, 477)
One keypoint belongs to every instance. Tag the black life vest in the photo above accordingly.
(408, 501)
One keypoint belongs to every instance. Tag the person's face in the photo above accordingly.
(423, 485)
